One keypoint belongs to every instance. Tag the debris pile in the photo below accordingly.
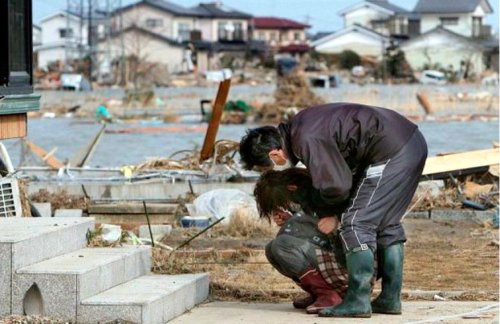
(60, 200)
(292, 94)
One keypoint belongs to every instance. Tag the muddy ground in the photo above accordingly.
(447, 256)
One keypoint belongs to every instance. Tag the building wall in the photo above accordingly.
(443, 50)
(50, 55)
(206, 28)
(37, 36)
(51, 30)
(140, 14)
(464, 26)
(215, 28)
(358, 42)
(149, 49)
(363, 16)
(287, 36)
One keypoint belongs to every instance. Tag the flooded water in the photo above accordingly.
(70, 135)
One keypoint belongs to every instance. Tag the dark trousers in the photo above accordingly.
(291, 256)
(381, 198)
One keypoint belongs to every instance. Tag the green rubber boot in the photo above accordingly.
(357, 299)
(391, 267)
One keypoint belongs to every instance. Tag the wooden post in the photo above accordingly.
(213, 126)
(424, 102)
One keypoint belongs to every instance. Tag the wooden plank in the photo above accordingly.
(46, 157)
(132, 221)
(461, 161)
(132, 208)
(12, 126)
(213, 126)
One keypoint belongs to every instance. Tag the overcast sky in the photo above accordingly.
(320, 14)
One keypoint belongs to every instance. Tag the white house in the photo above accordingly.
(446, 49)
(355, 38)
(37, 35)
(452, 36)
(368, 29)
(380, 16)
(62, 34)
(464, 17)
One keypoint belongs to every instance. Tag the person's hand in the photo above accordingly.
(281, 216)
(327, 225)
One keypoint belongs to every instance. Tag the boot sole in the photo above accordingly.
(387, 312)
(347, 315)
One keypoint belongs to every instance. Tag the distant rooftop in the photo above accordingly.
(203, 10)
(280, 23)
(451, 6)
(389, 6)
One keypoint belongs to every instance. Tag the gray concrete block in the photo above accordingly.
(158, 298)
(45, 209)
(159, 231)
(68, 213)
(93, 271)
(67, 235)
(49, 237)
(55, 303)
(5, 279)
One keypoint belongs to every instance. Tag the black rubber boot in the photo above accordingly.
(391, 268)
(357, 300)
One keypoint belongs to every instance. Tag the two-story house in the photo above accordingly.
(162, 31)
(369, 27)
(453, 35)
(281, 35)
(62, 36)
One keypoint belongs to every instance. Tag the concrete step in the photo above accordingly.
(27, 240)
(65, 280)
(153, 299)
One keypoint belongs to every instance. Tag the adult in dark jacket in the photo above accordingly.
(369, 161)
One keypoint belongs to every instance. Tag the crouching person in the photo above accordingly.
(301, 252)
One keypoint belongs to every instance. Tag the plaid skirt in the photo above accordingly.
(334, 270)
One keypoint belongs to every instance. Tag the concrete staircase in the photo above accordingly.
(46, 269)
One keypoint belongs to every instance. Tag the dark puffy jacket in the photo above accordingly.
(335, 141)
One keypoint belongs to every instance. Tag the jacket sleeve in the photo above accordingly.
(331, 175)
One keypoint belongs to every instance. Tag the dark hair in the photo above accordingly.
(256, 145)
(272, 191)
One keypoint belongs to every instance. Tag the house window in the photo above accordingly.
(238, 31)
(477, 22)
(379, 26)
(154, 23)
(262, 36)
(273, 36)
(222, 31)
(65, 32)
(16, 46)
(184, 32)
(399, 26)
(449, 21)
(296, 36)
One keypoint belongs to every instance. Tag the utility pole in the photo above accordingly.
(89, 40)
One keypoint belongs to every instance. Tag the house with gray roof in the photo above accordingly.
(454, 36)
(464, 17)
(369, 27)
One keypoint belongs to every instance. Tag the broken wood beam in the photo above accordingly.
(437, 167)
(213, 126)
(42, 154)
